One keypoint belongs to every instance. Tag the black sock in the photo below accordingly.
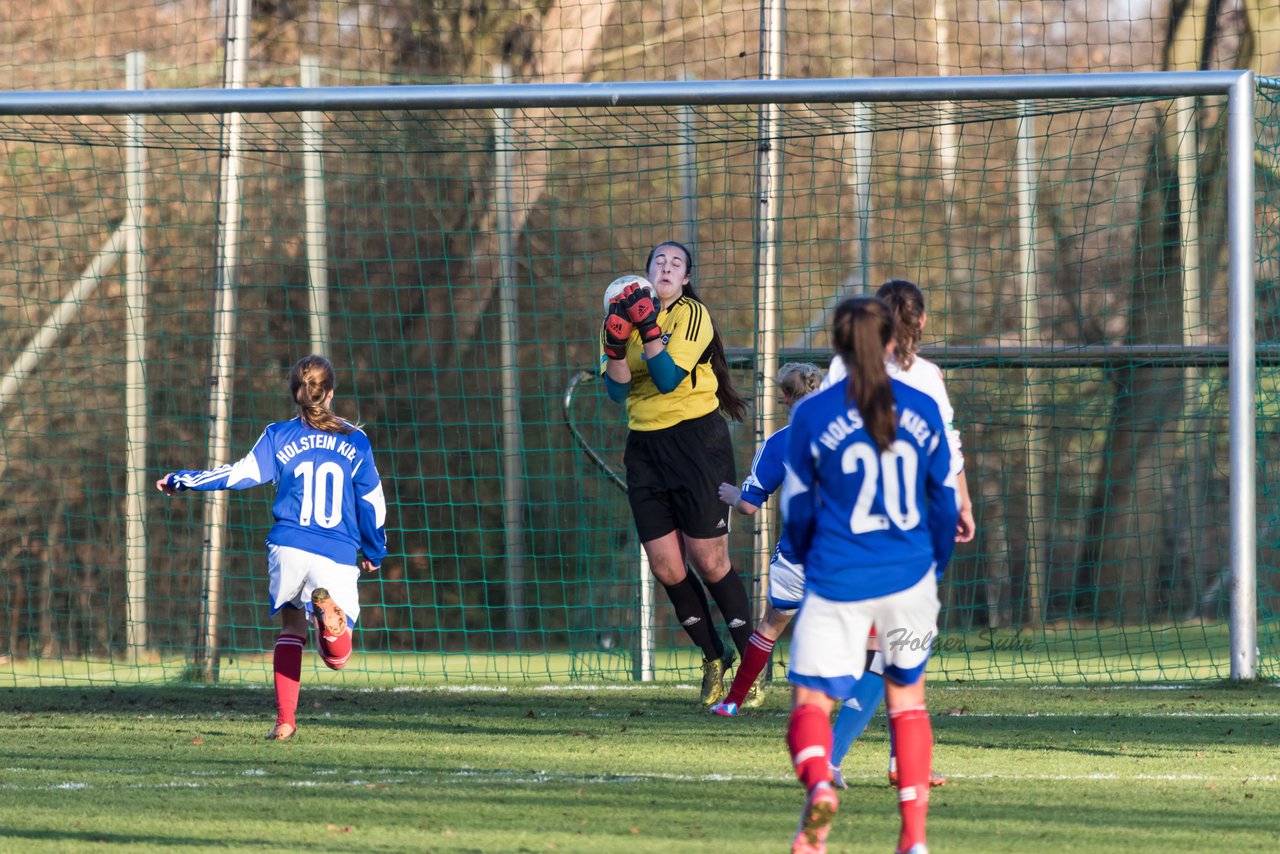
(691, 610)
(731, 597)
(695, 583)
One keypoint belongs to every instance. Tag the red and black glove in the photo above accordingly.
(642, 311)
(617, 329)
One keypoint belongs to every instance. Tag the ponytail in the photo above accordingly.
(906, 301)
(731, 403)
(861, 331)
(311, 381)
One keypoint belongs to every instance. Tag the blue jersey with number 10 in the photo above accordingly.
(867, 523)
(328, 496)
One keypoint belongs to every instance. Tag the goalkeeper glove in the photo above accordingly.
(617, 329)
(642, 311)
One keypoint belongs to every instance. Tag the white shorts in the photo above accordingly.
(829, 641)
(294, 573)
(786, 585)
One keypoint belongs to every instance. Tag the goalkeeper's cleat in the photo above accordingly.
(330, 619)
(755, 695)
(282, 732)
(837, 779)
(724, 710)
(815, 822)
(713, 671)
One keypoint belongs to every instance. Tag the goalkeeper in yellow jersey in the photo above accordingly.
(665, 360)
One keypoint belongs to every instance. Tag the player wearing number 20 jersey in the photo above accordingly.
(868, 523)
(869, 504)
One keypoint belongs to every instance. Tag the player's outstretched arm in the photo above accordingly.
(254, 469)
(732, 495)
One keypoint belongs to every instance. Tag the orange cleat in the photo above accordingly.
(330, 619)
(815, 822)
(936, 780)
(282, 732)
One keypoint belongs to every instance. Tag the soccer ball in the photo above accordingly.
(619, 284)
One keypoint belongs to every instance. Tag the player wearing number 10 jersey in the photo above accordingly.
(328, 507)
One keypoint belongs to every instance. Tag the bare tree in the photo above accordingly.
(1127, 523)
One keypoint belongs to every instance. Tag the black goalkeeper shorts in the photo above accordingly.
(674, 477)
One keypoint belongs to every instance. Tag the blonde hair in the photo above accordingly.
(797, 379)
(311, 380)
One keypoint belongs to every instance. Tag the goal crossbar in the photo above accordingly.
(1152, 84)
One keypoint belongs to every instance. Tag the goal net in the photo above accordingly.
(451, 259)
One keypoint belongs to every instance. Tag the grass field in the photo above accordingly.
(622, 768)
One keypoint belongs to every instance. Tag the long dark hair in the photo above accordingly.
(310, 381)
(862, 328)
(906, 301)
(731, 403)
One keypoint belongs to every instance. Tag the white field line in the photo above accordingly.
(658, 687)
(107, 677)
(369, 777)
(782, 713)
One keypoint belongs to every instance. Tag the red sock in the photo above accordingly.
(809, 737)
(913, 740)
(754, 660)
(334, 651)
(288, 666)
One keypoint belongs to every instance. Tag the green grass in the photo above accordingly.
(1060, 654)
(620, 769)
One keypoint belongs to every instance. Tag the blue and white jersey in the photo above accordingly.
(768, 471)
(924, 376)
(328, 496)
(868, 523)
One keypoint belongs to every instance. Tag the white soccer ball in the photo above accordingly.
(619, 284)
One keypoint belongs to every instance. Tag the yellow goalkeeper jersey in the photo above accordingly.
(686, 332)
